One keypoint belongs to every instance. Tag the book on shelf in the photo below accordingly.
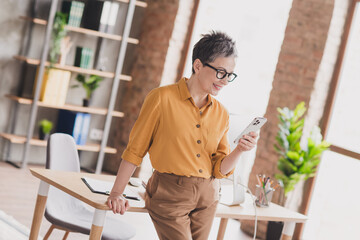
(28, 83)
(76, 124)
(84, 129)
(74, 10)
(108, 17)
(83, 57)
(100, 15)
(54, 86)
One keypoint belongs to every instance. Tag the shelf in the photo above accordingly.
(137, 3)
(92, 110)
(32, 61)
(84, 30)
(37, 142)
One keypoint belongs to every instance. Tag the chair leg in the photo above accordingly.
(66, 235)
(47, 235)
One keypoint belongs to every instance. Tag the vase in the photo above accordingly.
(294, 198)
(274, 230)
(86, 102)
(42, 135)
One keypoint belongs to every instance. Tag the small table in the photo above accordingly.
(246, 211)
(71, 183)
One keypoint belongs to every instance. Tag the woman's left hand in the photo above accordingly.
(247, 142)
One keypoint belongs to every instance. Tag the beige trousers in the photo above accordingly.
(181, 208)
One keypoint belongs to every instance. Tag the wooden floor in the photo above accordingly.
(18, 194)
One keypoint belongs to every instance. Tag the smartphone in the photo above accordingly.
(254, 126)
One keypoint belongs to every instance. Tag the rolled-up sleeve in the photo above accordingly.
(222, 151)
(144, 129)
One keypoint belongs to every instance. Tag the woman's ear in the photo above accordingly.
(197, 65)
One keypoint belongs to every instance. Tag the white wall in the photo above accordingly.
(258, 27)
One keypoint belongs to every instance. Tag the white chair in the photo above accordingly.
(66, 212)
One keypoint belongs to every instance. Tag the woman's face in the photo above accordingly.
(209, 83)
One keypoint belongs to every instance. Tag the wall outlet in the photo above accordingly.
(96, 134)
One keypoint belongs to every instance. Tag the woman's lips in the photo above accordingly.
(217, 87)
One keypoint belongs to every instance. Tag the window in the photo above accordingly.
(334, 205)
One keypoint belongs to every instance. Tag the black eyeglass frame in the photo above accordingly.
(222, 70)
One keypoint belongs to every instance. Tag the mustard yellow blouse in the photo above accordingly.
(181, 138)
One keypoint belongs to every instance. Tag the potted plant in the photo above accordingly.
(45, 127)
(296, 163)
(58, 34)
(89, 84)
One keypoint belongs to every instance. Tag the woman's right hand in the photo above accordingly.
(118, 203)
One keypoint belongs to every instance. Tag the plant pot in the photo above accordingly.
(274, 230)
(86, 102)
(42, 135)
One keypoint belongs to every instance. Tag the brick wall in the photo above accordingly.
(298, 64)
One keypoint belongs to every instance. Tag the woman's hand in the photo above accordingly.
(247, 142)
(118, 203)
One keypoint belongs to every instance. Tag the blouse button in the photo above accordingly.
(198, 125)
(198, 141)
(198, 155)
(200, 170)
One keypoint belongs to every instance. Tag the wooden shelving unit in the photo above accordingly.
(92, 110)
(83, 30)
(37, 142)
(42, 63)
(36, 62)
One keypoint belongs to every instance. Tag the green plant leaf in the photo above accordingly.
(324, 144)
(297, 126)
(279, 151)
(284, 129)
(299, 111)
(89, 84)
(293, 155)
(293, 138)
(46, 126)
(311, 143)
(297, 147)
(286, 166)
(281, 111)
(80, 78)
(58, 33)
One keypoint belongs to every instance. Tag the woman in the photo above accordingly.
(184, 129)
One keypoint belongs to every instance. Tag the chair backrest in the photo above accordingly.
(62, 154)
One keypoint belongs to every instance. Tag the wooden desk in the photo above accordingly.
(71, 183)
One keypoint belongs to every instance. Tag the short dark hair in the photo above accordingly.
(213, 45)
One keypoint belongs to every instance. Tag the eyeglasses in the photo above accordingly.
(221, 74)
